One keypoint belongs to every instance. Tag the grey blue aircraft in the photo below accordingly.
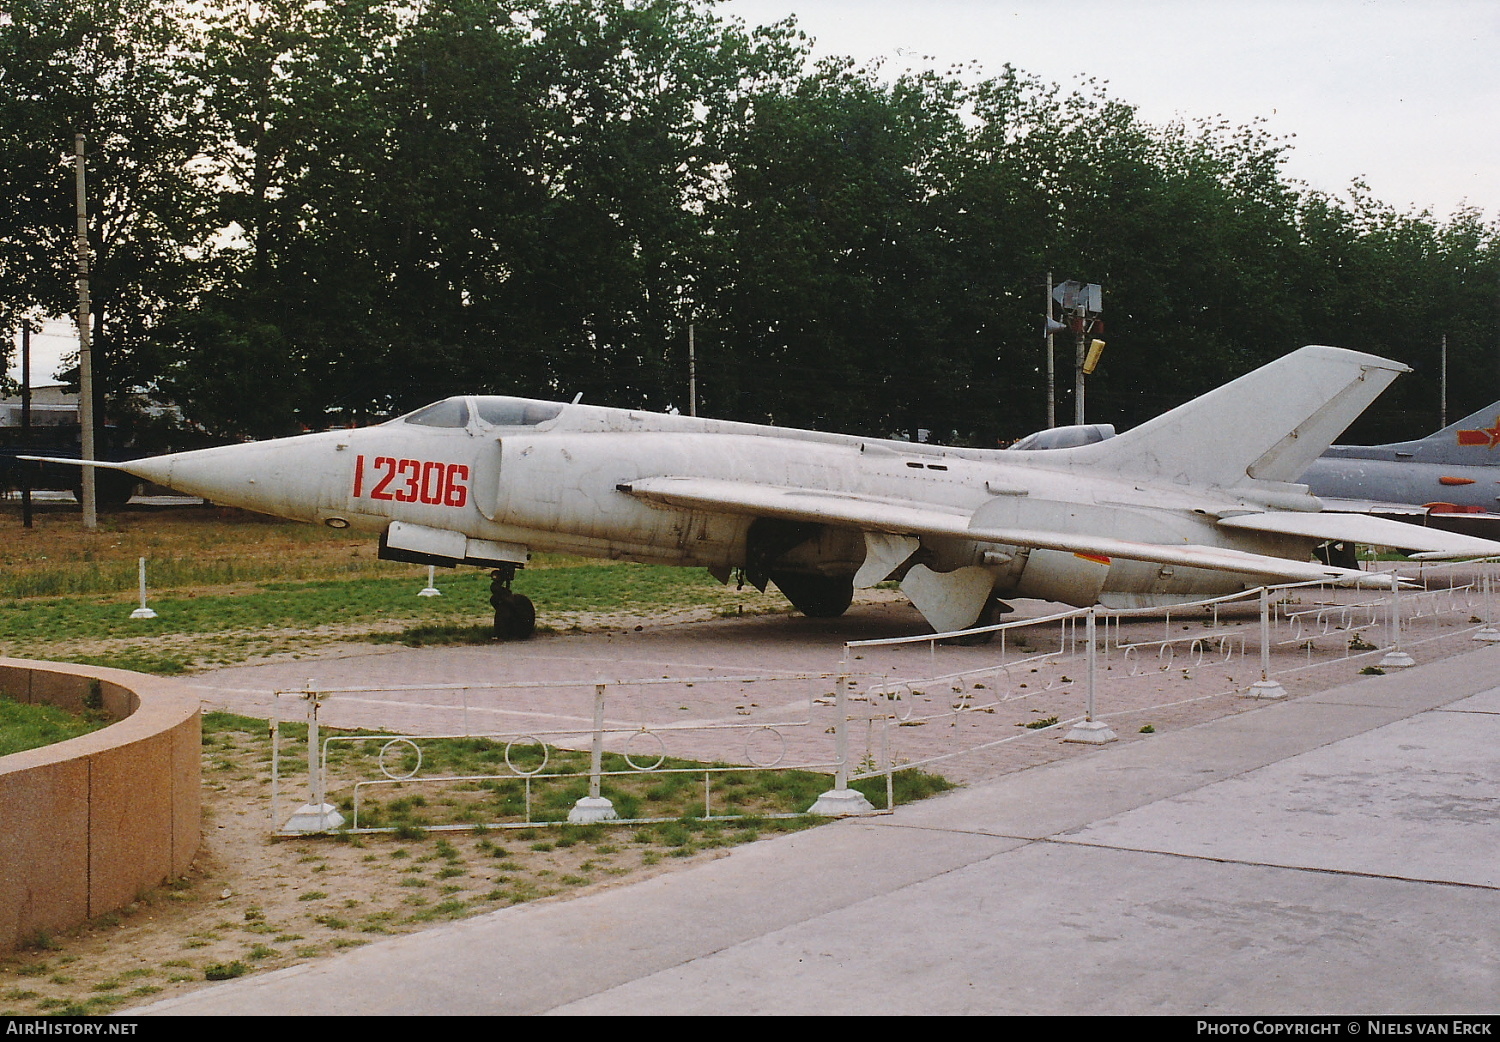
(1458, 467)
(1202, 500)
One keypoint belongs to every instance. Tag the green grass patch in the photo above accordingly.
(435, 634)
(229, 585)
(458, 617)
(225, 970)
(24, 726)
(139, 661)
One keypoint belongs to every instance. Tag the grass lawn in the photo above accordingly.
(229, 586)
(32, 726)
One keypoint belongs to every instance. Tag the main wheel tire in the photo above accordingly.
(523, 619)
(816, 596)
(503, 616)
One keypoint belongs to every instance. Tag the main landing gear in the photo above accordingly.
(1339, 553)
(515, 615)
(816, 596)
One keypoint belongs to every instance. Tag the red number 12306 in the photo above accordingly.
(414, 481)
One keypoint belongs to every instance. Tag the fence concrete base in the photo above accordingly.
(591, 809)
(1092, 732)
(839, 802)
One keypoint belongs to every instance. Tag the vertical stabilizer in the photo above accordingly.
(1473, 441)
(1268, 425)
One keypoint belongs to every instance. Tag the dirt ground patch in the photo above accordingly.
(252, 903)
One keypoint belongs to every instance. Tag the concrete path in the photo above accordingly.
(1337, 854)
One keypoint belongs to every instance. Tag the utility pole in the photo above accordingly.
(1443, 387)
(26, 418)
(692, 375)
(1051, 362)
(85, 356)
(1081, 305)
(1078, 338)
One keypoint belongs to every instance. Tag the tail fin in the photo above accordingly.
(1269, 424)
(1473, 441)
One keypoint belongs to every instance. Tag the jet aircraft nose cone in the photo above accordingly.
(287, 477)
(157, 469)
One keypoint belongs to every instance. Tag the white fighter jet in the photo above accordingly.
(1199, 501)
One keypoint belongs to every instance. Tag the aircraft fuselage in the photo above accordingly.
(487, 493)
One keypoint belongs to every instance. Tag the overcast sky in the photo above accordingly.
(1403, 94)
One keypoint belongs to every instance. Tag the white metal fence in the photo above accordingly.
(857, 722)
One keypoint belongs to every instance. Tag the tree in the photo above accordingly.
(107, 69)
(828, 270)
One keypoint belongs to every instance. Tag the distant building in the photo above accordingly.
(51, 406)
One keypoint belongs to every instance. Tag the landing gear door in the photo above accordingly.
(485, 486)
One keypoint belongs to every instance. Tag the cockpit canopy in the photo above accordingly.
(488, 410)
(1067, 437)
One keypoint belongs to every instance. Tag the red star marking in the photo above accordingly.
(1489, 437)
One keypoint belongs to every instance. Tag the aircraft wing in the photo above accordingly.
(901, 517)
(1362, 528)
(1396, 511)
(1478, 523)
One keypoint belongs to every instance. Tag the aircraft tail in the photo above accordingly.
(1472, 441)
(1466, 431)
(1268, 425)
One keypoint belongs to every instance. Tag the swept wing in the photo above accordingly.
(904, 518)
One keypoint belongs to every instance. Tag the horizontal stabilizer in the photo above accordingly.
(1372, 531)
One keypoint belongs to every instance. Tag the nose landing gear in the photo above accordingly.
(515, 615)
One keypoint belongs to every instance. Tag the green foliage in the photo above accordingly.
(591, 587)
(225, 971)
(278, 246)
(906, 787)
(25, 726)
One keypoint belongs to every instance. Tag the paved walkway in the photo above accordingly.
(1338, 854)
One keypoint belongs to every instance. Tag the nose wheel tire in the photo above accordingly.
(515, 616)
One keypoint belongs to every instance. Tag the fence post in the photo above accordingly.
(1091, 731)
(1265, 687)
(1396, 658)
(594, 807)
(143, 612)
(841, 799)
(318, 815)
(1487, 632)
